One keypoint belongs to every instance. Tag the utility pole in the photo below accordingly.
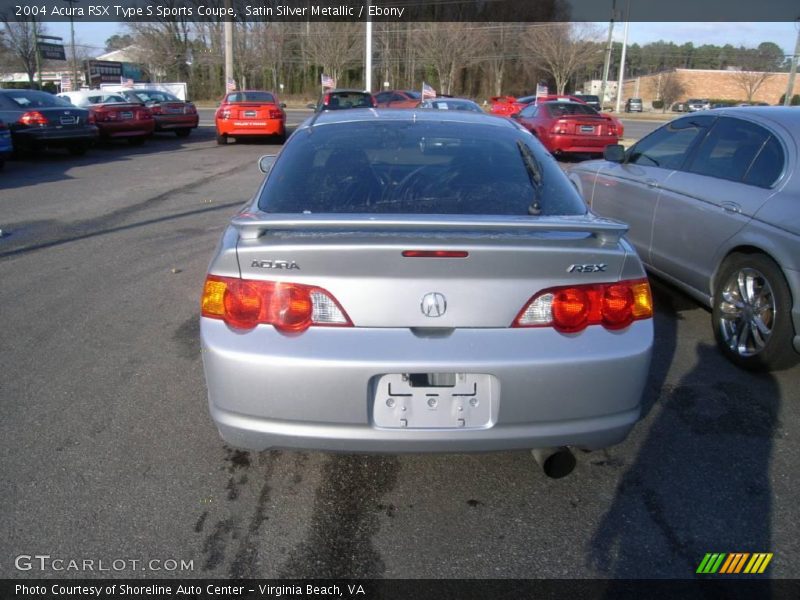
(368, 53)
(622, 58)
(228, 28)
(787, 99)
(38, 57)
(607, 61)
(75, 85)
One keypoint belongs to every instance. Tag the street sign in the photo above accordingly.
(51, 51)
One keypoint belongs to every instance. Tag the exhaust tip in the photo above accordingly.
(555, 462)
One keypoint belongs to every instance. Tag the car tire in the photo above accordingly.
(222, 139)
(281, 138)
(2, 164)
(183, 132)
(751, 313)
(77, 149)
(136, 141)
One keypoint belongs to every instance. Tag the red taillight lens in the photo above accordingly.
(144, 114)
(559, 126)
(190, 109)
(275, 113)
(33, 117)
(155, 109)
(326, 99)
(289, 307)
(572, 309)
(225, 113)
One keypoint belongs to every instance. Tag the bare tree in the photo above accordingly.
(20, 45)
(670, 89)
(501, 41)
(333, 46)
(750, 81)
(563, 48)
(448, 47)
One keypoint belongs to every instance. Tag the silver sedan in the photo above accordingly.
(713, 204)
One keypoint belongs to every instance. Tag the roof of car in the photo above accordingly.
(364, 115)
(788, 116)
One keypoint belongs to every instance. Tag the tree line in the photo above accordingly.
(476, 59)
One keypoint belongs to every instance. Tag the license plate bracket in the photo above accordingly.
(250, 114)
(434, 401)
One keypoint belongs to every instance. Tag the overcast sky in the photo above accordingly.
(747, 34)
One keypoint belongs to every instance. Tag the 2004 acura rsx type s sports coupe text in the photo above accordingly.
(417, 281)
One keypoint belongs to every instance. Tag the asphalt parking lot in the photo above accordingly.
(110, 453)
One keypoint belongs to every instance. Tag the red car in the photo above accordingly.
(169, 112)
(250, 113)
(115, 117)
(569, 127)
(398, 99)
(505, 106)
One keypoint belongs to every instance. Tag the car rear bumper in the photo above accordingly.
(580, 144)
(53, 136)
(237, 128)
(169, 122)
(319, 390)
(123, 129)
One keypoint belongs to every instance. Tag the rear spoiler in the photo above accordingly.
(252, 225)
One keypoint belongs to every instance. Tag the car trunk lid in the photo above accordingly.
(381, 268)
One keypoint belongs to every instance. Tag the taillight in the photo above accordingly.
(289, 307)
(559, 126)
(144, 114)
(155, 109)
(190, 109)
(225, 113)
(33, 117)
(573, 308)
(326, 99)
(275, 113)
(91, 120)
(373, 101)
(99, 115)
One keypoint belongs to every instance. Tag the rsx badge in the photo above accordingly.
(586, 268)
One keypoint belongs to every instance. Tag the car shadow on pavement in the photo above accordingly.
(700, 482)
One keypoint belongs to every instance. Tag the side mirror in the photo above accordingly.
(265, 163)
(614, 153)
(282, 105)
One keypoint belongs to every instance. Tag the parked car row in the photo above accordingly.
(75, 120)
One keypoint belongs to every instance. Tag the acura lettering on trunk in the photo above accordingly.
(433, 312)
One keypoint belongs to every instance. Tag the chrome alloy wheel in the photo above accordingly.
(746, 312)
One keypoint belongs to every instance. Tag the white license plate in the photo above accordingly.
(173, 111)
(67, 120)
(434, 401)
(250, 114)
(125, 115)
(587, 129)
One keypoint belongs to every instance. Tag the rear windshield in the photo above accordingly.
(588, 98)
(251, 97)
(417, 168)
(33, 99)
(155, 96)
(452, 105)
(559, 109)
(413, 94)
(347, 100)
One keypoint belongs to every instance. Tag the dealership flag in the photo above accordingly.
(428, 91)
(126, 81)
(328, 81)
(541, 90)
(230, 85)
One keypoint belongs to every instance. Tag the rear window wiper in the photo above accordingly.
(534, 170)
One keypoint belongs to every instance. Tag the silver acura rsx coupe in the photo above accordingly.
(420, 281)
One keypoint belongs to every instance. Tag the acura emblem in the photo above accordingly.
(433, 304)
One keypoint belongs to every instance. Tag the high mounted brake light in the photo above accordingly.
(289, 307)
(571, 309)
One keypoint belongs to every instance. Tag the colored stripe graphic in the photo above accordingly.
(734, 563)
(711, 563)
(759, 562)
